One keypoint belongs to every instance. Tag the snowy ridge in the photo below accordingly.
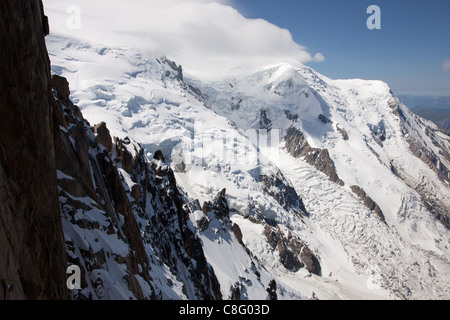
(361, 124)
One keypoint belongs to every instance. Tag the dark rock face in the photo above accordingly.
(264, 122)
(103, 135)
(199, 95)
(298, 146)
(32, 254)
(237, 233)
(291, 116)
(272, 290)
(177, 68)
(287, 258)
(293, 253)
(219, 206)
(310, 260)
(343, 132)
(368, 202)
(235, 103)
(279, 188)
(159, 156)
(323, 163)
(126, 157)
(324, 119)
(235, 291)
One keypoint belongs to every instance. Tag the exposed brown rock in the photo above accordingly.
(32, 254)
(343, 132)
(368, 202)
(298, 146)
(324, 119)
(237, 232)
(287, 258)
(136, 192)
(62, 89)
(310, 260)
(125, 156)
(61, 86)
(293, 253)
(103, 135)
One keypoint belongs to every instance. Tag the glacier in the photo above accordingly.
(288, 220)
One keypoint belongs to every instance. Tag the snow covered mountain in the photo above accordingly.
(278, 183)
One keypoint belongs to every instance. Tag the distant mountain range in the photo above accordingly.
(436, 109)
(433, 102)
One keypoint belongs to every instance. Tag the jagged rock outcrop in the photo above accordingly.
(368, 202)
(324, 119)
(235, 103)
(115, 195)
(272, 290)
(237, 232)
(291, 116)
(264, 122)
(32, 254)
(378, 132)
(298, 146)
(177, 68)
(214, 226)
(343, 132)
(294, 254)
(277, 187)
(196, 92)
(219, 206)
(103, 135)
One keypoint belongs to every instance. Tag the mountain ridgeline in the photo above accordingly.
(278, 184)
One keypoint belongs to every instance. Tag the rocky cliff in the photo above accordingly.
(32, 253)
(298, 146)
(125, 221)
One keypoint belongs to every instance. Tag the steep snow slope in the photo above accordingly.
(330, 242)
(399, 160)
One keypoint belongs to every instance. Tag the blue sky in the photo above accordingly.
(408, 52)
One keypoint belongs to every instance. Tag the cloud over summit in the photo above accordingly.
(210, 39)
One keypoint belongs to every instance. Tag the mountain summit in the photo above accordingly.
(331, 178)
(275, 184)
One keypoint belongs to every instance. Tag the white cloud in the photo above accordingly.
(446, 65)
(208, 38)
(318, 57)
